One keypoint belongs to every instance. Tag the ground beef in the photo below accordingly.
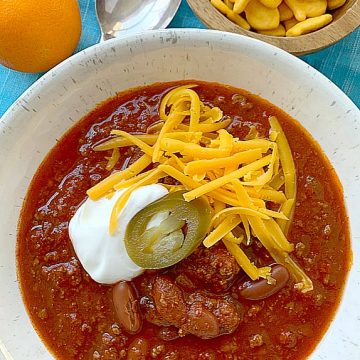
(199, 313)
(214, 269)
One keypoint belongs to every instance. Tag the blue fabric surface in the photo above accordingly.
(340, 62)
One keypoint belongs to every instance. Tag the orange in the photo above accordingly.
(35, 35)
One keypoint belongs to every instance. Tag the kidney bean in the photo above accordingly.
(260, 289)
(138, 349)
(127, 307)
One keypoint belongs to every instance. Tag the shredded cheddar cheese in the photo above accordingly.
(119, 142)
(113, 159)
(153, 176)
(239, 178)
(103, 187)
(223, 228)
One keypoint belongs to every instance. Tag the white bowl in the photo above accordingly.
(31, 126)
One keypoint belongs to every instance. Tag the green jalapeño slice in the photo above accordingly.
(184, 226)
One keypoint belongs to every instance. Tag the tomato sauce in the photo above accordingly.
(75, 316)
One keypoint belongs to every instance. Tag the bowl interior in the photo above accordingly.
(346, 19)
(32, 125)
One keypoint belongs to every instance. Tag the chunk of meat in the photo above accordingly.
(169, 300)
(214, 269)
(201, 321)
(150, 312)
(200, 313)
(227, 310)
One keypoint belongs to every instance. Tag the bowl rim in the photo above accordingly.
(169, 35)
(300, 45)
(65, 64)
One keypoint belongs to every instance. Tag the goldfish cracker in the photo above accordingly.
(229, 4)
(290, 23)
(236, 18)
(240, 5)
(279, 31)
(303, 9)
(309, 25)
(218, 4)
(260, 17)
(334, 4)
(285, 12)
(279, 17)
(272, 4)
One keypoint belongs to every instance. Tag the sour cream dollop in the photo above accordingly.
(102, 255)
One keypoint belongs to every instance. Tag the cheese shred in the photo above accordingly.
(250, 183)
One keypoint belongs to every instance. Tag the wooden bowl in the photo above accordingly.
(345, 20)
